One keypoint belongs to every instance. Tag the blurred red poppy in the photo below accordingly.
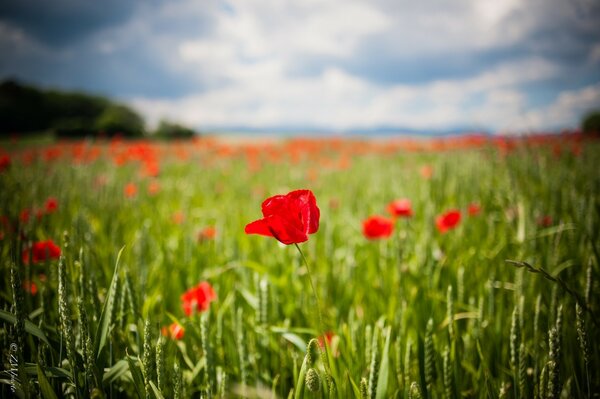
(474, 209)
(41, 251)
(30, 286)
(130, 190)
(288, 218)
(328, 338)
(400, 208)
(448, 220)
(51, 205)
(153, 187)
(376, 227)
(174, 331)
(4, 162)
(178, 217)
(25, 215)
(427, 171)
(207, 233)
(198, 298)
(545, 221)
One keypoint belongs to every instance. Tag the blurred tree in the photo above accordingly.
(170, 130)
(25, 109)
(591, 122)
(118, 119)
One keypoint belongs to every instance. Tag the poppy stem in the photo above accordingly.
(320, 320)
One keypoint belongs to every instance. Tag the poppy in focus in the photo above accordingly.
(41, 251)
(400, 208)
(198, 298)
(288, 218)
(376, 227)
(448, 220)
(174, 331)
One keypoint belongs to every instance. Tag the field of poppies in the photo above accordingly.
(332, 268)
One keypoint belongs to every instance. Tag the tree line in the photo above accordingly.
(26, 109)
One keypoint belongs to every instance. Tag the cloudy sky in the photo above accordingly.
(430, 65)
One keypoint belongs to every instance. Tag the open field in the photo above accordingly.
(128, 272)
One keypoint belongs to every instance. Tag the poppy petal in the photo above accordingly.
(284, 231)
(258, 227)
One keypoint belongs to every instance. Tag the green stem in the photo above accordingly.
(320, 320)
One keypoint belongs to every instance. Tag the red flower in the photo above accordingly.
(427, 171)
(474, 209)
(174, 331)
(545, 221)
(178, 217)
(51, 205)
(400, 207)
(198, 298)
(30, 286)
(25, 215)
(41, 251)
(207, 233)
(130, 190)
(153, 188)
(4, 162)
(448, 220)
(289, 218)
(376, 227)
(328, 337)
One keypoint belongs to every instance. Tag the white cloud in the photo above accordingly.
(567, 108)
(336, 99)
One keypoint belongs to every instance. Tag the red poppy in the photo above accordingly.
(51, 205)
(174, 331)
(207, 233)
(153, 188)
(25, 215)
(289, 218)
(198, 298)
(4, 162)
(328, 338)
(474, 209)
(130, 190)
(427, 171)
(41, 251)
(178, 217)
(400, 208)
(376, 227)
(448, 220)
(545, 221)
(30, 286)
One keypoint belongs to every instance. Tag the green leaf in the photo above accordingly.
(156, 391)
(296, 340)
(115, 372)
(136, 376)
(109, 302)
(355, 388)
(384, 369)
(29, 326)
(299, 390)
(45, 387)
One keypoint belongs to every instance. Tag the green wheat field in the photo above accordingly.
(100, 240)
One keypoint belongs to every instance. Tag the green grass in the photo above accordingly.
(376, 296)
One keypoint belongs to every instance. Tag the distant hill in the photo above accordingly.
(25, 109)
